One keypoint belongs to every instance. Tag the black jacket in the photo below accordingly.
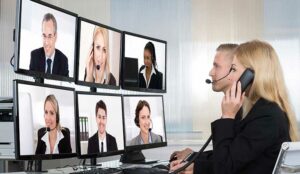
(93, 143)
(248, 146)
(38, 62)
(64, 145)
(156, 80)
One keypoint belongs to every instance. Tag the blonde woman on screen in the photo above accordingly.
(97, 62)
(53, 139)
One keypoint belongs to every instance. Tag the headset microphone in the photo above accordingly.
(98, 67)
(212, 82)
(208, 81)
(48, 129)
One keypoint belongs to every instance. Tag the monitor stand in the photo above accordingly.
(93, 89)
(38, 80)
(135, 157)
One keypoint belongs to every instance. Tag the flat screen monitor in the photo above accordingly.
(45, 41)
(45, 121)
(99, 55)
(100, 124)
(151, 57)
(144, 122)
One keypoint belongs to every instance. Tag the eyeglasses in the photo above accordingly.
(49, 37)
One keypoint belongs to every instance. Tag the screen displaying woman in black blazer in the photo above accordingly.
(53, 139)
(254, 124)
(149, 76)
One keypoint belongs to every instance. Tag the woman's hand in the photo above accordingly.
(90, 66)
(178, 163)
(232, 101)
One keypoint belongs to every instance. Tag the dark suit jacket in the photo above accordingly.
(64, 145)
(38, 62)
(93, 143)
(156, 80)
(248, 146)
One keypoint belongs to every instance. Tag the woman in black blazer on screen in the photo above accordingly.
(149, 76)
(53, 139)
(248, 137)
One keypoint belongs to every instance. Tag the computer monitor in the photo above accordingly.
(99, 55)
(45, 41)
(144, 122)
(100, 124)
(151, 55)
(45, 121)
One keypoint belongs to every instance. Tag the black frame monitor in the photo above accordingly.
(141, 55)
(40, 50)
(99, 55)
(99, 117)
(42, 111)
(152, 123)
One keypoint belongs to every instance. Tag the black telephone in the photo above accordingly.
(246, 78)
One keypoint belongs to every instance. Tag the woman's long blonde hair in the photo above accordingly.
(105, 35)
(268, 82)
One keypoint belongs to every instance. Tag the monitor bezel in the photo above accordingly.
(92, 84)
(96, 155)
(17, 37)
(150, 90)
(16, 116)
(145, 146)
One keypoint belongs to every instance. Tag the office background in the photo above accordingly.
(193, 30)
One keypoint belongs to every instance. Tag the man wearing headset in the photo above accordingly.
(143, 121)
(220, 70)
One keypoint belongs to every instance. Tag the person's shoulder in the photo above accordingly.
(38, 51)
(95, 136)
(112, 79)
(158, 72)
(42, 131)
(110, 136)
(60, 54)
(65, 130)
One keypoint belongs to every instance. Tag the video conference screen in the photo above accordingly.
(144, 63)
(99, 55)
(100, 121)
(45, 41)
(45, 121)
(144, 121)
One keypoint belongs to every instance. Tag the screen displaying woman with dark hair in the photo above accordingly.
(53, 139)
(149, 76)
(143, 121)
(97, 62)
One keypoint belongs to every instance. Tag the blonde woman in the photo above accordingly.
(53, 139)
(97, 62)
(250, 142)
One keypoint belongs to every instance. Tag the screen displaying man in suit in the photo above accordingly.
(53, 139)
(48, 59)
(101, 141)
(143, 121)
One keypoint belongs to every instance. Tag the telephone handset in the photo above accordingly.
(246, 79)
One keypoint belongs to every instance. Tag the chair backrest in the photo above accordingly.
(288, 160)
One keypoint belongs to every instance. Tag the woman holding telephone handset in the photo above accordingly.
(97, 61)
(254, 123)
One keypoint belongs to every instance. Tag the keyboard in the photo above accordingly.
(99, 171)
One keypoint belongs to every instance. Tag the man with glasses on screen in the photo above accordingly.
(47, 59)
